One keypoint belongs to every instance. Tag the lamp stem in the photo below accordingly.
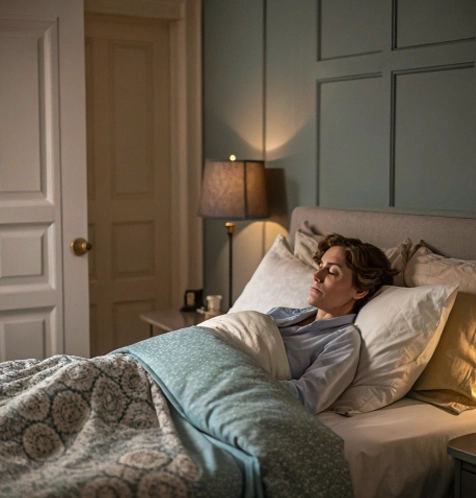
(230, 229)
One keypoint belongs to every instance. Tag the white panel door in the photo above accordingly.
(43, 285)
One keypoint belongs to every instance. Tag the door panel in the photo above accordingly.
(129, 184)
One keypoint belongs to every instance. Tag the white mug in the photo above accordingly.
(213, 304)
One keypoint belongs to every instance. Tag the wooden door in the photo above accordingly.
(43, 285)
(129, 177)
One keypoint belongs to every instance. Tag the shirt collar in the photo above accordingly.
(336, 322)
(293, 316)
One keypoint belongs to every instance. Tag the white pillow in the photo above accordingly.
(427, 268)
(280, 280)
(400, 330)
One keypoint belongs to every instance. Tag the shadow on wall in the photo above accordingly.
(277, 202)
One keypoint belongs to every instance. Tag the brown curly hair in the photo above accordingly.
(370, 267)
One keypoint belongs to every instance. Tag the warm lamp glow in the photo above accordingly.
(232, 157)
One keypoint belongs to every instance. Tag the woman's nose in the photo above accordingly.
(318, 275)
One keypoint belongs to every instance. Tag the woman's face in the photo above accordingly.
(332, 291)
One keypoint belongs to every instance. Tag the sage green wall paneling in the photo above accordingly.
(291, 97)
(353, 111)
(349, 28)
(435, 105)
(233, 78)
(416, 144)
(367, 103)
(425, 22)
(435, 139)
(353, 143)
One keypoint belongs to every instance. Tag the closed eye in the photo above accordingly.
(332, 269)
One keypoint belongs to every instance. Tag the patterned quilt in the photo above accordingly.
(90, 428)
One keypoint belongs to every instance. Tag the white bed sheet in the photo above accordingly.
(400, 450)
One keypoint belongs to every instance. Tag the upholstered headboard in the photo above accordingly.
(449, 235)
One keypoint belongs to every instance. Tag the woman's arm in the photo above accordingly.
(331, 373)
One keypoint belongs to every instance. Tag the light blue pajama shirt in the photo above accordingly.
(323, 355)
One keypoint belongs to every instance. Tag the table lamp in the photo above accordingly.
(233, 190)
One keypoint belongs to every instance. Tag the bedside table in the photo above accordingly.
(463, 449)
(168, 320)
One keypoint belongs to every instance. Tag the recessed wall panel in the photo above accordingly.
(347, 27)
(19, 128)
(352, 143)
(25, 253)
(131, 81)
(26, 334)
(435, 146)
(426, 22)
(133, 249)
(29, 134)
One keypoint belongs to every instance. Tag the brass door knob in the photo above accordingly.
(80, 246)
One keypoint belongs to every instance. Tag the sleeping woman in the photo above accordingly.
(322, 342)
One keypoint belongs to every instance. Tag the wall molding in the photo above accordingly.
(397, 46)
(351, 77)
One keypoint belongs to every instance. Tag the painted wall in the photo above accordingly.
(359, 104)
(234, 84)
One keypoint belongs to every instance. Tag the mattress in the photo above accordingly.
(400, 450)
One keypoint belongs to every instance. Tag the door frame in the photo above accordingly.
(186, 127)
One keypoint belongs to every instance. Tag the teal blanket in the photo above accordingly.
(222, 401)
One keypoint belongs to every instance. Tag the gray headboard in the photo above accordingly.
(449, 235)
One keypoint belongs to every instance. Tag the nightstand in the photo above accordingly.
(463, 449)
(168, 320)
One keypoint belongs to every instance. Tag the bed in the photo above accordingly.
(187, 413)
(201, 412)
(398, 449)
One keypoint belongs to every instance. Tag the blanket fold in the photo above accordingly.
(257, 336)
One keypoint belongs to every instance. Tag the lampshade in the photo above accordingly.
(235, 190)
